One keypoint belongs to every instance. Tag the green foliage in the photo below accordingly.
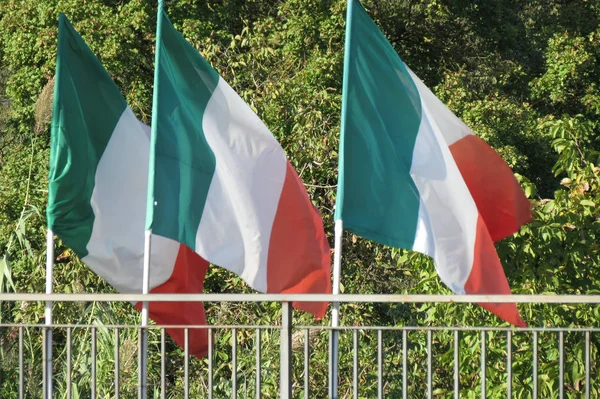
(522, 74)
(570, 82)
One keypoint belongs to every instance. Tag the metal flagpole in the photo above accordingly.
(143, 374)
(335, 310)
(143, 377)
(339, 226)
(48, 312)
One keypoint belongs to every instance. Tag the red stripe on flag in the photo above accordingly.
(187, 278)
(487, 277)
(299, 259)
(497, 193)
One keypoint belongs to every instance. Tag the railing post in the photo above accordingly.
(142, 337)
(379, 363)
(355, 364)
(535, 365)
(429, 366)
(483, 364)
(94, 356)
(509, 364)
(456, 364)
(404, 363)
(163, 364)
(258, 364)
(561, 364)
(117, 364)
(45, 361)
(587, 365)
(22, 364)
(210, 363)
(330, 366)
(286, 351)
(186, 364)
(234, 377)
(307, 363)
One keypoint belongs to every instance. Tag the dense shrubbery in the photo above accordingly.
(523, 74)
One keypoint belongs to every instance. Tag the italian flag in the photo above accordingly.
(97, 190)
(221, 184)
(412, 175)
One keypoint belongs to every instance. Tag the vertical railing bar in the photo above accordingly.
(456, 364)
(163, 364)
(48, 363)
(21, 364)
(587, 365)
(355, 364)
(535, 365)
(483, 364)
(44, 362)
(234, 386)
(210, 363)
(186, 365)
(380, 364)
(117, 364)
(429, 368)
(47, 357)
(94, 362)
(142, 337)
(307, 363)
(561, 366)
(509, 364)
(285, 351)
(69, 361)
(404, 364)
(330, 366)
(258, 364)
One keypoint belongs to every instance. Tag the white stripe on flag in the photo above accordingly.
(116, 246)
(451, 212)
(235, 228)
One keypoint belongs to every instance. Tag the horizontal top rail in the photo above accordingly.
(346, 328)
(342, 298)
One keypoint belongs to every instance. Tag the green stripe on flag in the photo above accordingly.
(381, 113)
(86, 108)
(182, 163)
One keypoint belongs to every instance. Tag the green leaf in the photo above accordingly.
(5, 272)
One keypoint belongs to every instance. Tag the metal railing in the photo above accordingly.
(287, 360)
